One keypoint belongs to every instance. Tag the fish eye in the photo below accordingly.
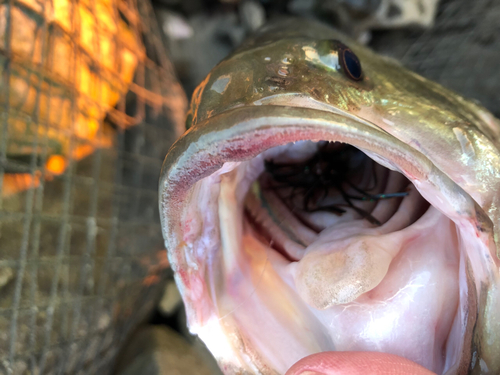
(351, 65)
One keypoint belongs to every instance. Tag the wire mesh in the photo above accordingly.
(90, 106)
(460, 51)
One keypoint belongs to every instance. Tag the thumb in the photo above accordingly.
(356, 363)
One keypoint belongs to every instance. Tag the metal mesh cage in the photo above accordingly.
(89, 107)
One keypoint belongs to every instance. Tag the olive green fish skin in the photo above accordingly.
(283, 61)
(297, 60)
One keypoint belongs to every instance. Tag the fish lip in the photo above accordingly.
(204, 149)
(242, 121)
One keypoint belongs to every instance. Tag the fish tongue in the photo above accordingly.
(355, 266)
(356, 363)
(342, 269)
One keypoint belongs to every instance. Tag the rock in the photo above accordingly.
(301, 7)
(359, 16)
(252, 14)
(158, 350)
(174, 25)
(400, 13)
(459, 52)
(210, 38)
(171, 300)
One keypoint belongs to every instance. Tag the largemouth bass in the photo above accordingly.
(325, 199)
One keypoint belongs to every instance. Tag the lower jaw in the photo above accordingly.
(259, 290)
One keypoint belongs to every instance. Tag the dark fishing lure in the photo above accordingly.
(326, 171)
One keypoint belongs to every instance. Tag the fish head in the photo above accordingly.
(324, 198)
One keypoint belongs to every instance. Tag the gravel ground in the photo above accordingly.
(460, 50)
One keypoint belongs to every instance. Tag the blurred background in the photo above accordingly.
(92, 95)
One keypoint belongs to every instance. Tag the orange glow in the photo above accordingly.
(154, 266)
(82, 152)
(92, 56)
(150, 280)
(16, 182)
(163, 261)
(56, 164)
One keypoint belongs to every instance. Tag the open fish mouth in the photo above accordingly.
(305, 228)
(377, 261)
(332, 245)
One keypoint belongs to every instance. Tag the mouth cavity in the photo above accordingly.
(333, 214)
(315, 247)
